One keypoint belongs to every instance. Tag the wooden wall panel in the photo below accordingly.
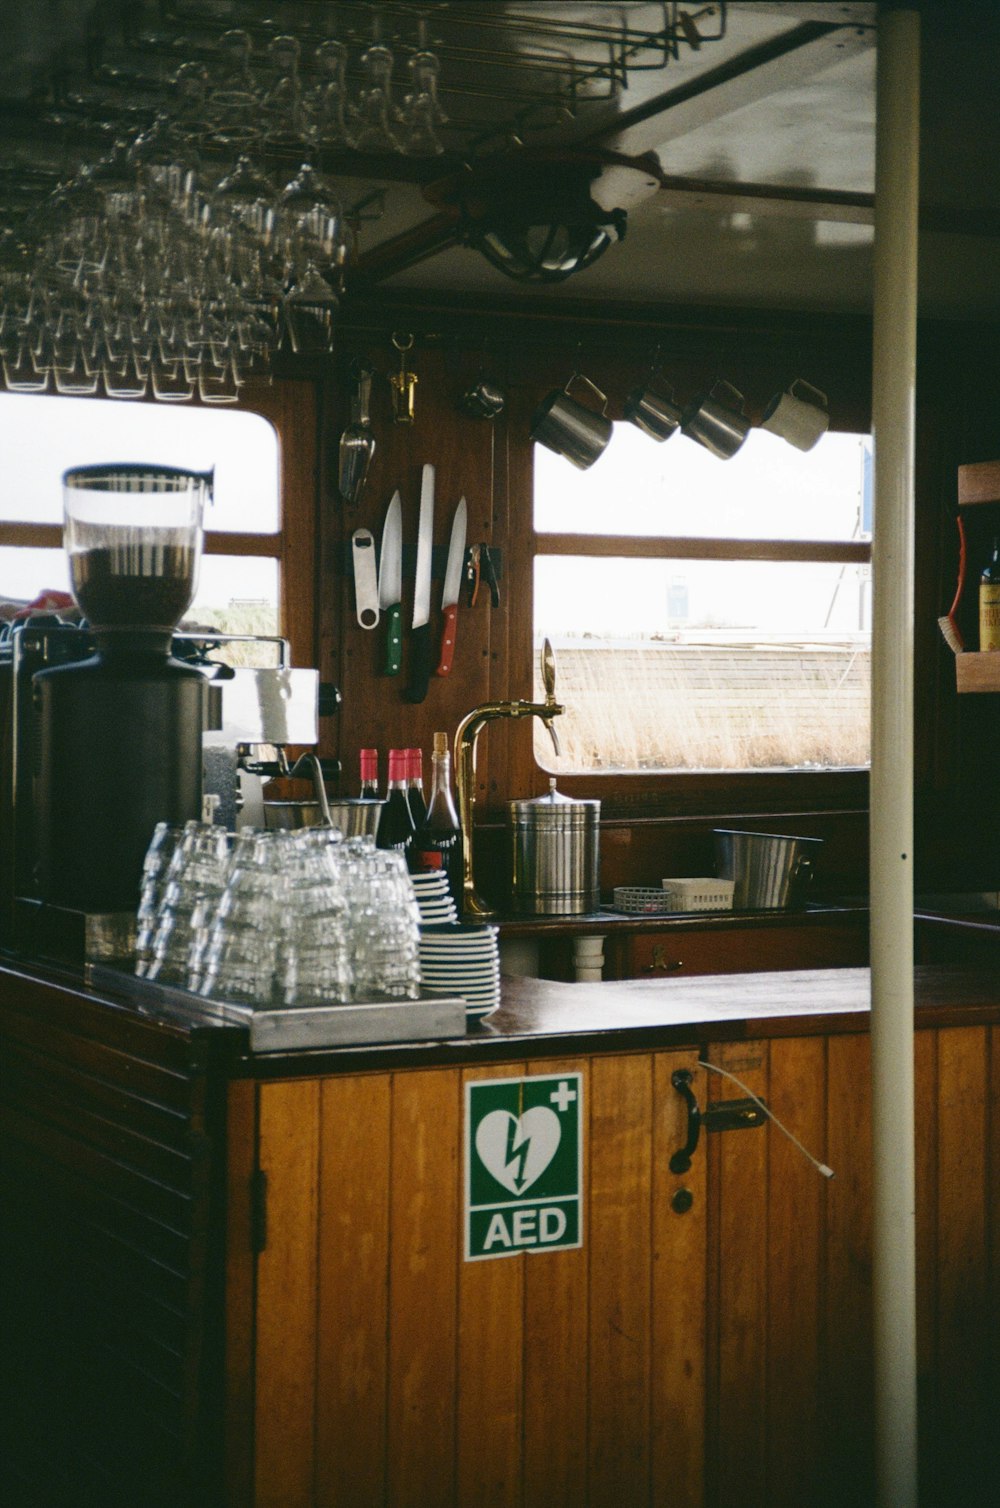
(556, 1343)
(352, 1296)
(286, 1295)
(738, 1169)
(964, 1420)
(238, 1418)
(679, 1255)
(847, 1396)
(423, 1287)
(796, 1195)
(490, 1364)
(621, 1103)
(375, 712)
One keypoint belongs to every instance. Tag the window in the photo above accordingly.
(242, 582)
(706, 615)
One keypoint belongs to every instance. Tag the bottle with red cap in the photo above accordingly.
(395, 826)
(437, 841)
(369, 775)
(415, 785)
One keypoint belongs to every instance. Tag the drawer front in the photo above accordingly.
(746, 949)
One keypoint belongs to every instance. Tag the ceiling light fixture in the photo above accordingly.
(541, 217)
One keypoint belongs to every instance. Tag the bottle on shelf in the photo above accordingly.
(989, 600)
(369, 775)
(437, 843)
(415, 785)
(395, 825)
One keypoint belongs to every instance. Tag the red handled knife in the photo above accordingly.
(452, 587)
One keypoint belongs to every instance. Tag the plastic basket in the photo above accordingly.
(699, 894)
(640, 899)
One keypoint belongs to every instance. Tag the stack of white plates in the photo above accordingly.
(462, 959)
(434, 898)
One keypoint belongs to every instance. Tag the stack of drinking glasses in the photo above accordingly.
(384, 922)
(161, 848)
(274, 919)
(194, 882)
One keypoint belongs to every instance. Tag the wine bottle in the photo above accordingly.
(395, 824)
(415, 785)
(369, 775)
(437, 843)
(989, 600)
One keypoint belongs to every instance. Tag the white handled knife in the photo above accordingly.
(452, 587)
(420, 648)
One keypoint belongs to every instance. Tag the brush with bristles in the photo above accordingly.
(948, 625)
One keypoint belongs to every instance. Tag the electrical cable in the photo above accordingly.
(820, 1167)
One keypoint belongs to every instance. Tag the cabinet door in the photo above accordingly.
(390, 1370)
(746, 949)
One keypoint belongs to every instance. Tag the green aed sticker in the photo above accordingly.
(523, 1165)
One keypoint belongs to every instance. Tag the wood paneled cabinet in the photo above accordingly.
(709, 1342)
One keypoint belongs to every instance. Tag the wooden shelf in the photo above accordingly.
(978, 671)
(979, 483)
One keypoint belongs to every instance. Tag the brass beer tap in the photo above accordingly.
(466, 737)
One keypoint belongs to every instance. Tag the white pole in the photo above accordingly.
(891, 827)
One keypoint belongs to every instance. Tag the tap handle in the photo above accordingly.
(549, 672)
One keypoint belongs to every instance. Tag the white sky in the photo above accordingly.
(42, 436)
(677, 488)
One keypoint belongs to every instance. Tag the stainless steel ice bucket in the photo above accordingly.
(770, 870)
(556, 855)
(354, 817)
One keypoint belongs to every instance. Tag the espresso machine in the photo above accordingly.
(117, 723)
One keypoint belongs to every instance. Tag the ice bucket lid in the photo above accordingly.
(554, 809)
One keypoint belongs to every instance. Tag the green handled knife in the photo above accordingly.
(390, 585)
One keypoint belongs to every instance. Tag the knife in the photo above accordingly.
(420, 652)
(390, 585)
(452, 585)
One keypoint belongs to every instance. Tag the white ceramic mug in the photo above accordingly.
(798, 415)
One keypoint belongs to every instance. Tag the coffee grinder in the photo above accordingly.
(120, 733)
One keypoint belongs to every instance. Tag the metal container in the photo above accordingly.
(556, 852)
(769, 870)
(354, 817)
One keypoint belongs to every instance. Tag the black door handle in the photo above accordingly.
(680, 1162)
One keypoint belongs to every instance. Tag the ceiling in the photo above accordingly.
(762, 138)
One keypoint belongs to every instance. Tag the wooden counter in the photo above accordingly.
(241, 1282)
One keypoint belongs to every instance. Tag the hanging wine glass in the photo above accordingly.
(328, 103)
(310, 310)
(232, 108)
(310, 221)
(246, 195)
(373, 132)
(282, 108)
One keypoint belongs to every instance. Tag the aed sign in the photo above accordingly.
(523, 1165)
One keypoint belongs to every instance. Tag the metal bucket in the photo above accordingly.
(353, 817)
(770, 870)
(556, 854)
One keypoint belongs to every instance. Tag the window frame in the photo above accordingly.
(290, 406)
(635, 796)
